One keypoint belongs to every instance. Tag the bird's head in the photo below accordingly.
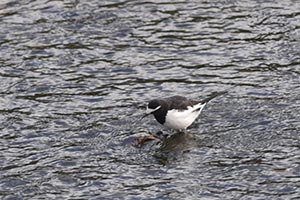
(152, 107)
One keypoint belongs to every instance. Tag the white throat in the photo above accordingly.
(149, 110)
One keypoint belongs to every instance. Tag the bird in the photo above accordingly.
(177, 112)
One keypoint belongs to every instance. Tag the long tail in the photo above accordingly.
(213, 95)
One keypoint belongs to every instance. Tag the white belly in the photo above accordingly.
(182, 119)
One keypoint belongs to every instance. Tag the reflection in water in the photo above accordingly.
(75, 75)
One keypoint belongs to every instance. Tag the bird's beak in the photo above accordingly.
(145, 115)
(148, 112)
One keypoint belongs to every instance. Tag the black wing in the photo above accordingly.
(179, 102)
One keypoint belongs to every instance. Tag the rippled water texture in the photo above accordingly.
(75, 77)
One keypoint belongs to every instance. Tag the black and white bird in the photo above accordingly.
(177, 112)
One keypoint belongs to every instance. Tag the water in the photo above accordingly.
(75, 77)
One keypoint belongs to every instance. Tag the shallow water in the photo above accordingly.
(75, 77)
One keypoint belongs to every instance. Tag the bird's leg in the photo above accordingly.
(182, 131)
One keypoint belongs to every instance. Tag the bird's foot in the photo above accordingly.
(162, 135)
(182, 131)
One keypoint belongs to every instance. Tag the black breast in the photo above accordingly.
(160, 114)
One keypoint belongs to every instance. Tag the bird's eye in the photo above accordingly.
(153, 104)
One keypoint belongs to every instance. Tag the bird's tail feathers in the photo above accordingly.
(212, 96)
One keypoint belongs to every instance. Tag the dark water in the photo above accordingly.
(75, 76)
